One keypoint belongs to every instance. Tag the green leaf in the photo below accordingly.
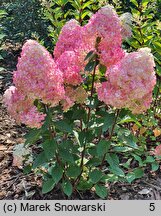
(121, 149)
(48, 185)
(2, 36)
(95, 176)
(49, 147)
(57, 173)
(149, 159)
(109, 178)
(138, 172)
(108, 121)
(63, 126)
(66, 155)
(87, 4)
(32, 136)
(155, 166)
(127, 138)
(73, 171)
(86, 13)
(101, 191)
(67, 187)
(27, 169)
(128, 119)
(103, 147)
(89, 55)
(145, 3)
(102, 69)
(84, 185)
(112, 159)
(93, 162)
(138, 158)
(90, 66)
(84, 137)
(135, 2)
(130, 177)
(40, 160)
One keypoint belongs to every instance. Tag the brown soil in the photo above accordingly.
(15, 185)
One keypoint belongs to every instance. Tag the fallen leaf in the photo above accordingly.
(142, 130)
(157, 132)
(135, 128)
(3, 148)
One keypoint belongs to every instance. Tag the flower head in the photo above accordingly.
(130, 82)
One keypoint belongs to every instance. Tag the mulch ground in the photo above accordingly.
(16, 185)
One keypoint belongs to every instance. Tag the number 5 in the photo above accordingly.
(152, 207)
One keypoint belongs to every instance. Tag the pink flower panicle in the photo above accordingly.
(106, 25)
(69, 39)
(70, 66)
(130, 82)
(38, 75)
(21, 108)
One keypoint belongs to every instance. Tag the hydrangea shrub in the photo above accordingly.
(78, 101)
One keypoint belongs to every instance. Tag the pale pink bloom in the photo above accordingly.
(21, 108)
(157, 150)
(106, 25)
(69, 39)
(37, 74)
(69, 64)
(130, 82)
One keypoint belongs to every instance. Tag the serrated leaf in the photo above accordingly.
(57, 173)
(66, 155)
(49, 147)
(40, 160)
(67, 187)
(73, 171)
(32, 136)
(114, 165)
(101, 191)
(48, 185)
(63, 126)
(95, 176)
(108, 121)
(103, 147)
